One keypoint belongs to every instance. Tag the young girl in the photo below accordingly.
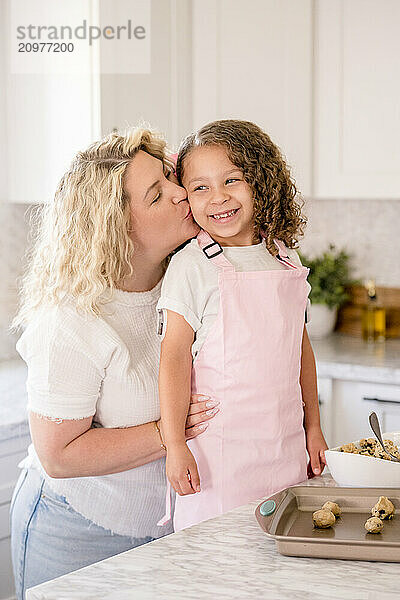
(232, 306)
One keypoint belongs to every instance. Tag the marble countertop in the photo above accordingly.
(223, 558)
(350, 358)
(13, 399)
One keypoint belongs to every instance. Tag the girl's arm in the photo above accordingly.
(70, 448)
(308, 380)
(174, 391)
(174, 380)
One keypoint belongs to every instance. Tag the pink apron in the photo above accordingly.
(255, 446)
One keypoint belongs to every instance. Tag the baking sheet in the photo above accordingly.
(292, 527)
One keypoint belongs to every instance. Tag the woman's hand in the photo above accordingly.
(182, 470)
(197, 415)
(198, 409)
(316, 446)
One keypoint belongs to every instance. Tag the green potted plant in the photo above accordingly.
(329, 276)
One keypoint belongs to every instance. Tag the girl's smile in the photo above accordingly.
(225, 217)
(220, 199)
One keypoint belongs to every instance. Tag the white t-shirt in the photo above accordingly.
(81, 366)
(190, 285)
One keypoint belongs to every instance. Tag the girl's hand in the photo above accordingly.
(316, 445)
(180, 463)
(198, 409)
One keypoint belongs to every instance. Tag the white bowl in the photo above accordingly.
(356, 470)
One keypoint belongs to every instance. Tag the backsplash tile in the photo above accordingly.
(368, 229)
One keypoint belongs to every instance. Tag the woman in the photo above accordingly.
(93, 483)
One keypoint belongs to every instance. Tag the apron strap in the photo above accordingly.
(213, 251)
(167, 517)
(283, 255)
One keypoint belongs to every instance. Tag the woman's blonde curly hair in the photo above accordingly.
(277, 212)
(81, 246)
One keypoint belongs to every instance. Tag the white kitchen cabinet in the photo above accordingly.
(162, 97)
(253, 61)
(322, 78)
(356, 99)
(45, 119)
(12, 451)
(325, 402)
(48, 121)
(388, 411)
(352, 404)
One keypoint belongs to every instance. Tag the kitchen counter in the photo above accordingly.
(13, 399)
(223, 558)
(345, 357)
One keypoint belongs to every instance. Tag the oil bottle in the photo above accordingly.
(373, 316)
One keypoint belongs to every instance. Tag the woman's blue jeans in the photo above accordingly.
(50, 539)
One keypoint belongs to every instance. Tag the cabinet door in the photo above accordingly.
(11, 453)
(388, 412)
(49, 120)
(254, 62)
(357, 90)
(325, 407)
(45, 117)
(354, 402)
(161, 97)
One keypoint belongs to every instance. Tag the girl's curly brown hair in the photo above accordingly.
(277, 213)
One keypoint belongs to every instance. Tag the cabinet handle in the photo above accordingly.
(381, 400)
(319, 400)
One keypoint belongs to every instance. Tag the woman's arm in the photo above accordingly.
(308, 380)
(72, 449)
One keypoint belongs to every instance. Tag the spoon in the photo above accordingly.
(373, 421)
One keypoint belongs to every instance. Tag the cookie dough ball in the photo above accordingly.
(374, 525)
(383, 509)
(323, 518)
(333, 507)
(350, 448)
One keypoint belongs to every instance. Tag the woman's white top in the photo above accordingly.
(190, 285)
(81, 366)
